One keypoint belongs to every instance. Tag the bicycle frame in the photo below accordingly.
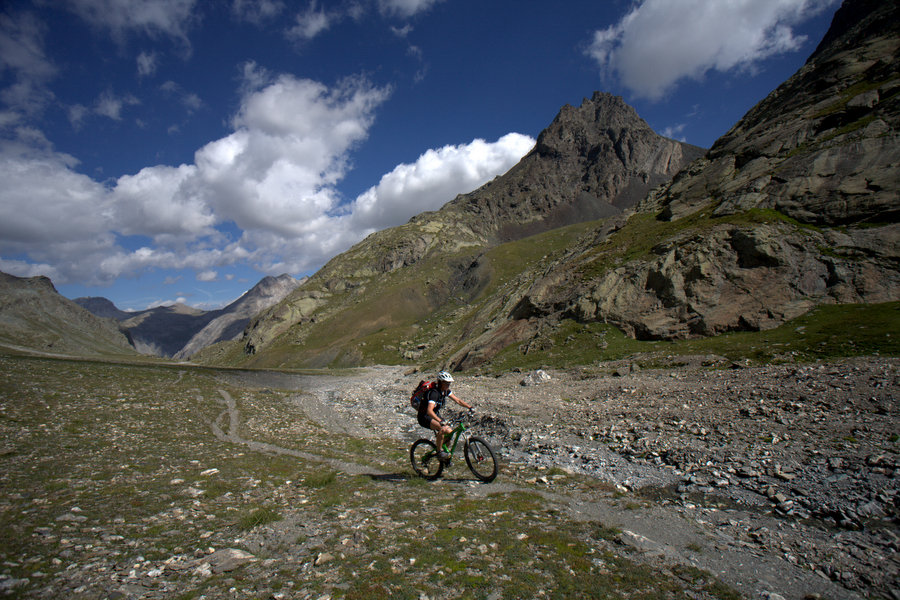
(454, 436)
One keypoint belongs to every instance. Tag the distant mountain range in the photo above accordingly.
(179, 331)
(33, 315)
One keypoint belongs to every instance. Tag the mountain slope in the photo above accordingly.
(229, 323)
(35, 316)
(591, 162)
(795, 206)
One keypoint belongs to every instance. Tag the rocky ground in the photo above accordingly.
(803, 458)
(779, 482)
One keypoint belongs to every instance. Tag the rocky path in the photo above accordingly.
(233, 436)
(786, 476)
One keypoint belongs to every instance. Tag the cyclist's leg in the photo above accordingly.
(439, 431)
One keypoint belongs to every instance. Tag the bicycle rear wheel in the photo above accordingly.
(481, 459)
(425, 460)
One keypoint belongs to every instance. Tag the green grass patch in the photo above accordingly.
(320, 479)
(257, 517)
(827, 331)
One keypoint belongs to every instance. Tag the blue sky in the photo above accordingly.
(154, 151)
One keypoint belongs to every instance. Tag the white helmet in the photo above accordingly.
(445, 376)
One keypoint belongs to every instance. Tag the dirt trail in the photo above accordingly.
(234, 437)
(711, 535)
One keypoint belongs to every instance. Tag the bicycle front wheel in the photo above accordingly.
(480, 459)
(425, 460)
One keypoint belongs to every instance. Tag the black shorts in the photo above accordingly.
(425, 421)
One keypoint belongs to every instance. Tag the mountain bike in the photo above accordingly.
(479, 456)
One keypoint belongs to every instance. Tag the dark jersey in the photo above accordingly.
(438, 397)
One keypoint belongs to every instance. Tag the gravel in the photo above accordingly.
(804, 458)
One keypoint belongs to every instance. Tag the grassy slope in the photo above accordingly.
(126, 456)
(390, 320)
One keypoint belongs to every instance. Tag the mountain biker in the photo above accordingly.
(435, 399)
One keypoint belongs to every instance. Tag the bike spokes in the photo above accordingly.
(480, 459)
(425, 460)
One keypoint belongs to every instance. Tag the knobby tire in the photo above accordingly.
(425, 460)
(481, 459)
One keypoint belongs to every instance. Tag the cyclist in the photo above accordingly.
(434, 401)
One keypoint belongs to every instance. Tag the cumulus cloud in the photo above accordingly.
(273, 179)
(661, 42)
(434, 179)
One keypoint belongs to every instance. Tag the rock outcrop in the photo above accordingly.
(823, 148)
(795, 206)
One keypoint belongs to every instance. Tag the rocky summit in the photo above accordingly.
(591, 162)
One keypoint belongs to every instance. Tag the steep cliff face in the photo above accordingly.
(795, 206)
(592, 162)
(822, 148)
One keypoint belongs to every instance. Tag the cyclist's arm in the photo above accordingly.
(458, 401)
(430, 411)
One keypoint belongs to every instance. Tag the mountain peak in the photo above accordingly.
(601, 119)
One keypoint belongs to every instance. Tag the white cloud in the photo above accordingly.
(191, 101)
(46, 202)
(208, 275)
(274, 177)
(309, 24)
(111, 105)
(290, 146)
(405, 8)
(674, 132)
(22, 53)
(146, 63)
(256, 11)
(77, 113)
(152, 17)
(434, 179)
(661, 42)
